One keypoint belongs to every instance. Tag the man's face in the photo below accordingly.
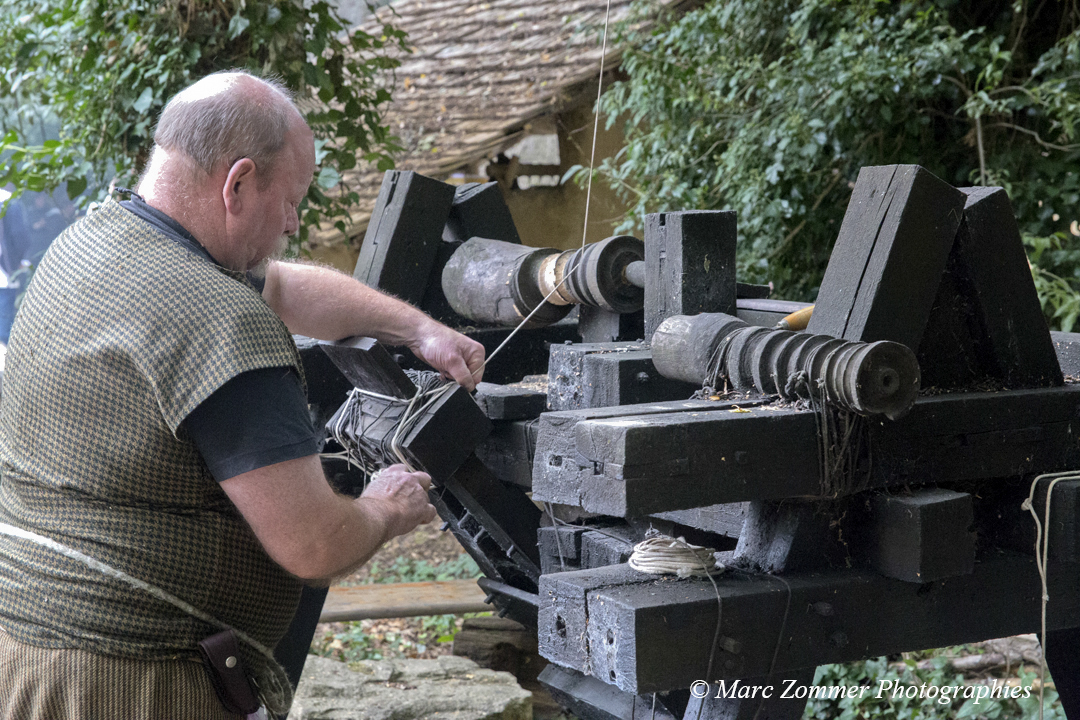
(274, 218)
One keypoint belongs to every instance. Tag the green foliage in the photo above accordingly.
(770, 109)
(103, 69)
(892, 705)
(403, 569)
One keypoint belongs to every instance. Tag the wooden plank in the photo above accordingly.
(689, 264)
(628, 378)
(404, 234)
(394, 600)
(646, 634)
(887, 263)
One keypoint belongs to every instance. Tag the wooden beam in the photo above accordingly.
(638, 463)
(646, 634)
(394, 600)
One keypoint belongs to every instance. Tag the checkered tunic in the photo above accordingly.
(123, 333)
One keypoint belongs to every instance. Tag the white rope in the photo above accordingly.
(1042, 555)
(135, 582)
(663, 555)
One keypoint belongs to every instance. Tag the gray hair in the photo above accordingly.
(227, 116)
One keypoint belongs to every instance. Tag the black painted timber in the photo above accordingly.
(632, 463)
(479, 210)
(648, 635)
(508, 451)
(368, 365)
(510, 402)
(689, 264)
(888, 260)
(404, 234)
(921, 536)
(987, 321)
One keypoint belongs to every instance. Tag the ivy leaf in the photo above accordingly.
(75, 187)
(145, 98)
(328, 178)
(237, 26)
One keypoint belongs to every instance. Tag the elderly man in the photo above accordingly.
(160, 480)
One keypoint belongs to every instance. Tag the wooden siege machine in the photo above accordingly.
(859, 515)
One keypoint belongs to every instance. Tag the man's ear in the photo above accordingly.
(239, 183)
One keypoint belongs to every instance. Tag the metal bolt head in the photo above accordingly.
(642, 377)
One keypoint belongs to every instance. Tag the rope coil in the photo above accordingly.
(663, 555)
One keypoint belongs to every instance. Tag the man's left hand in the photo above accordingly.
(457, 357)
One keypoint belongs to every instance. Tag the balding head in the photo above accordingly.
(224, 117)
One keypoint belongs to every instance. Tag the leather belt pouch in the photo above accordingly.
(221, 654)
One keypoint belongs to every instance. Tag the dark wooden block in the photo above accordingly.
(510, 402)
(630, 462)
(628, 378)
(447, 434)
(566, 371)
(644, 464)
(556, 441)
(508, 451)
(921, 536)
(970, 436)
(986, 321)
(478, 210)
(327, 386)
(562, 617)
(1063, 662)
(592, 375)
(367, 365)
(610, 546)
(657, 635)
(403, 236)
(564, 540)
(689, 264)
(886, 266)
(1064, 528)
(1067, 349)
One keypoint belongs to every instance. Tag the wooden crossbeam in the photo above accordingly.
(395, 600)
(630, 461)
(645, 634)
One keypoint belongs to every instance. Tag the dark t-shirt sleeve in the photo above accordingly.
(258, 418)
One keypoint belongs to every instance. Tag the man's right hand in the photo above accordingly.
(404, 494)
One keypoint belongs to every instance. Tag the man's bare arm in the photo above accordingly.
(322, 303)
(313, 532)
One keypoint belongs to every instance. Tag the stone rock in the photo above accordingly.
(446, 688)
